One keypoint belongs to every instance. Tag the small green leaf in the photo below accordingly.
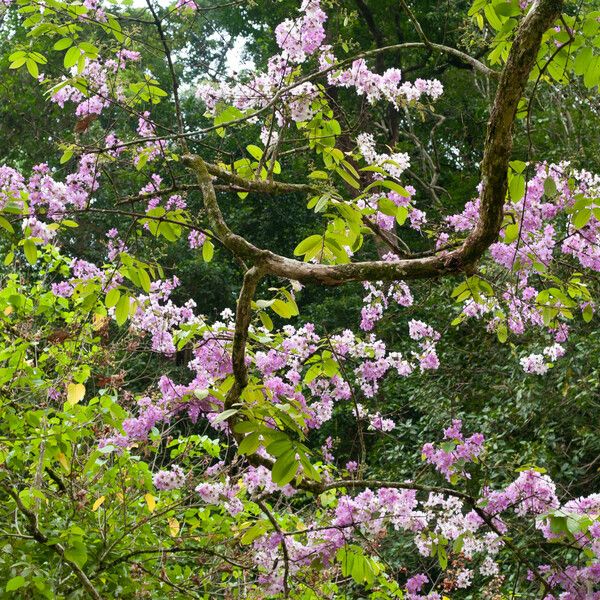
(549, 187)
(66, 157)
(249, 444)
(32, 68)
(254, 151)
(6, 225)
(307, 244)
(15, 583)
(265, 320)
(391, 185)
(63, 44)
(226, 414)
(511, 233)
(581, 218)
(144, 280)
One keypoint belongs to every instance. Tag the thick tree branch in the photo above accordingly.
(496, 156)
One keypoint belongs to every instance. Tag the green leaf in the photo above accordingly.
(582, 62)
(581, 218)
(63, 44)
(122, 309)
(591, 77)
(71, 57)
(6, 225)
(249, 444)
(308, 244)
(516, 187)
(226, 414)
(401, 215)
(15, 583)
(231, 113)
(168, 231)
(30, 250)
(391, 185)
(265, 320)
(285, 468)
(66, 156)
(442, 557)
(254, 151)
(502, 332)
(511, 233)
(112, 297)
(208, 251)
(348, 178)
(283, 309)
(144, 280)
(77, 553)
(32, 68)
(549, 187)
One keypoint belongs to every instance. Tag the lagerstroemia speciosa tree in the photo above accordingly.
(218, 481)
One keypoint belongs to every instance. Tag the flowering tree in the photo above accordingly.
(217, 482)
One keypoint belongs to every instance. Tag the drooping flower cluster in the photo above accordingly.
(377, 300)
(394, 164)
(299, 38)
(102, 87)
(375, 87)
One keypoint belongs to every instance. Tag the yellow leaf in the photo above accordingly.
(98, 503)
(173, 526)
(62, 459)
(75, 393)
(8, 310)
(99, 322)
(151, 502)
(120, 497)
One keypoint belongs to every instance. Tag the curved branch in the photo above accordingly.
(494, 168)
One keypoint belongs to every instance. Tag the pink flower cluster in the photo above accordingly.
(427, 338)
(540, 225)
(376, 87)
(377, 300)
(172, 479)
(299, 38)
(453, 454)
(48, 199)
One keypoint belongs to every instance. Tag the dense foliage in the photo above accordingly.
(316, 320)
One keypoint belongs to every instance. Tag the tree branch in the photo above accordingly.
(496, 155)
(58, 548)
